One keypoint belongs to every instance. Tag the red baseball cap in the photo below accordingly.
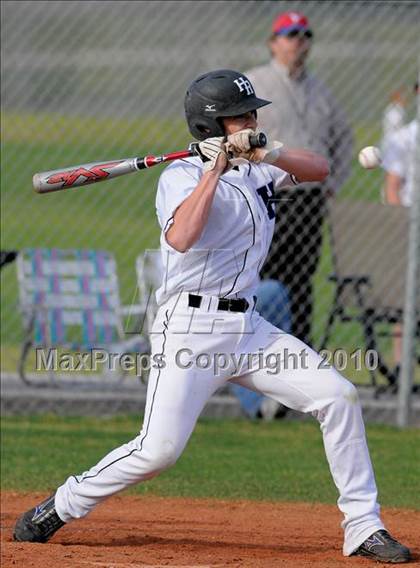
(290, 21)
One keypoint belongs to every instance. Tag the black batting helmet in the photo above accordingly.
(215, 95)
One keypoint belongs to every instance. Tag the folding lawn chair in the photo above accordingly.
(149, 269)
(369, 245)
(70, 299)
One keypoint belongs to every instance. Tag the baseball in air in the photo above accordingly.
(370, 157)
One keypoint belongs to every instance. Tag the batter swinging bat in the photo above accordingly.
(76, 176)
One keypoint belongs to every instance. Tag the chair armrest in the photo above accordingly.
(134, 309)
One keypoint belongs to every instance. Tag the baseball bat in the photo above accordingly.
(85, 174)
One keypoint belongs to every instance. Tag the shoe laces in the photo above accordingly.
(46, 518)
(387, 537)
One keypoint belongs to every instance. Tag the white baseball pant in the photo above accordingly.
(177, 395)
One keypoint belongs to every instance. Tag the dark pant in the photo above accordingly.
(295, 251)
(273, 305)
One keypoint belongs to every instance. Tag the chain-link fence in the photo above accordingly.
(84, 81)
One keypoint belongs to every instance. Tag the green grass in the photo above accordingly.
(228, 459)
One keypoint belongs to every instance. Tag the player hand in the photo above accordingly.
(238, 146)
(213, 154)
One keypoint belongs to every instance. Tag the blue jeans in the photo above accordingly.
(273, 305)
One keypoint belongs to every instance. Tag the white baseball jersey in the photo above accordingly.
(227, 258)
(399, 158)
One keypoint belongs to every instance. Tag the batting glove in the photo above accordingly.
(209, 151)
(238, 145)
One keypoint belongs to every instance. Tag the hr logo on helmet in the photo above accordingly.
(244, 85)
(210, 108)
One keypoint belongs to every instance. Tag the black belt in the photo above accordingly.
(225, 304)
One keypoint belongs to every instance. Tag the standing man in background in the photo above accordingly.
(303, 114)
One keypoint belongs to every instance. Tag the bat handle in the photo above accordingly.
(255, 140)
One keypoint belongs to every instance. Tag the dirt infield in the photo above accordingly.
(129, 532)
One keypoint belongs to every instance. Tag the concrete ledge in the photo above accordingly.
(98, 396)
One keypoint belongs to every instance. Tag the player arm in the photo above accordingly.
(392, 188)
(394, 163)
(304, 165)
(191, 216)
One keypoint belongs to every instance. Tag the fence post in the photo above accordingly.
(412, 283)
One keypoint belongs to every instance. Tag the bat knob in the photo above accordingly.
(258, 140)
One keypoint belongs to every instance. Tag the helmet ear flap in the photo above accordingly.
(202, 127)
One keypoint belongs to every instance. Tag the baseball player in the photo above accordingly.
(217, 221)
(399, 159)
(399, 156)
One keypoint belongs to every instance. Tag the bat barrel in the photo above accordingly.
(85, 174)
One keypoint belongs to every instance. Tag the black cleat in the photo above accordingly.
(382, 547)
(38, 524)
